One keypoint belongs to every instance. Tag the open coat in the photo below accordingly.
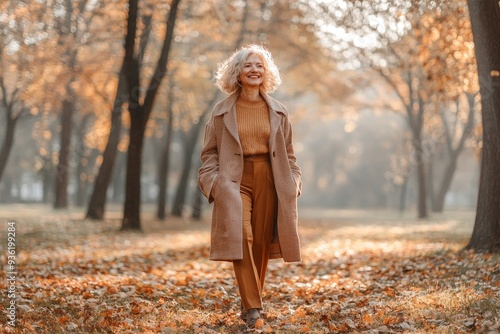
(221, 172)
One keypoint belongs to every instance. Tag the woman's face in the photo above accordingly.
(252, 73)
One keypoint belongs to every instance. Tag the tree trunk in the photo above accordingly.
(416, 128)
(83, 163)
(438, 200)
(131, 215)
(422, 196)
(8, 142)
(48, 182)
(402, 197)
(98, 199)
(62, 169)
(48, 173)
(180, 194)
(197, 203)
(485, 21)
(182, 187)
(81, 182)
(6, 191)
(164, 165)
(66, 29)
(430, 183)
(118, 179)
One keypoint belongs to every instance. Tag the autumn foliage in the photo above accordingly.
(362, 273)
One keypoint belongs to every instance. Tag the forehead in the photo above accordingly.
(253, 58)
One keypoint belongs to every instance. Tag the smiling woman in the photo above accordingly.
(249, 171)
(227, 75)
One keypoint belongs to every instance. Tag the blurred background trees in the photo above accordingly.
(383, 95)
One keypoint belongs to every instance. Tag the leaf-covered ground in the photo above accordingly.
(363, 272)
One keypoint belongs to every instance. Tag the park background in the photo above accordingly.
(385, 103)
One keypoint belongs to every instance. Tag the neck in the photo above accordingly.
(251, 93)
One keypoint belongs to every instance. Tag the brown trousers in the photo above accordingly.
(260, 200)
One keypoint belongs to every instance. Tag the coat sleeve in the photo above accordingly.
(210, 161)
(292, 160)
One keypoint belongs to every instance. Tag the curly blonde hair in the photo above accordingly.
(226, 76)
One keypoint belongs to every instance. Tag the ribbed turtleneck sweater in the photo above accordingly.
(253, 126)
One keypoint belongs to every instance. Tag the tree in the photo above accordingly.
(451, 74)
(395, 57)
(457, 130)
(97, 202)
(68, 30)
(56, 35)
(98, 199)
(42, 133)
(140, 110)
(12, 115)
(485, 20)
(73, 28)
(19, 75)
(100, 85)
(409, 44)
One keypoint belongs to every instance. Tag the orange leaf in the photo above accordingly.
(63, 319)
(367, 318)
(87, 295)
(259, 323)
(390, 292)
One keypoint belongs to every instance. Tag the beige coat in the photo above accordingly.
(221, 172)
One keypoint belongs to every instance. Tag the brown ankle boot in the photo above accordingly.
(251, 315)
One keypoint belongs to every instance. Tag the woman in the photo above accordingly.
(249, 171)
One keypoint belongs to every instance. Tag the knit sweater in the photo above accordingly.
(253, 126)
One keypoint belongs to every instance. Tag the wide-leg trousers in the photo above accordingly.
(259, 198)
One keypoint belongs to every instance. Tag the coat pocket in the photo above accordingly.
(213, 191)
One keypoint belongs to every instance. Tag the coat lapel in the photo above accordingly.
(227, 108)
(274, 117)
(231, 123)
(274, 120)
